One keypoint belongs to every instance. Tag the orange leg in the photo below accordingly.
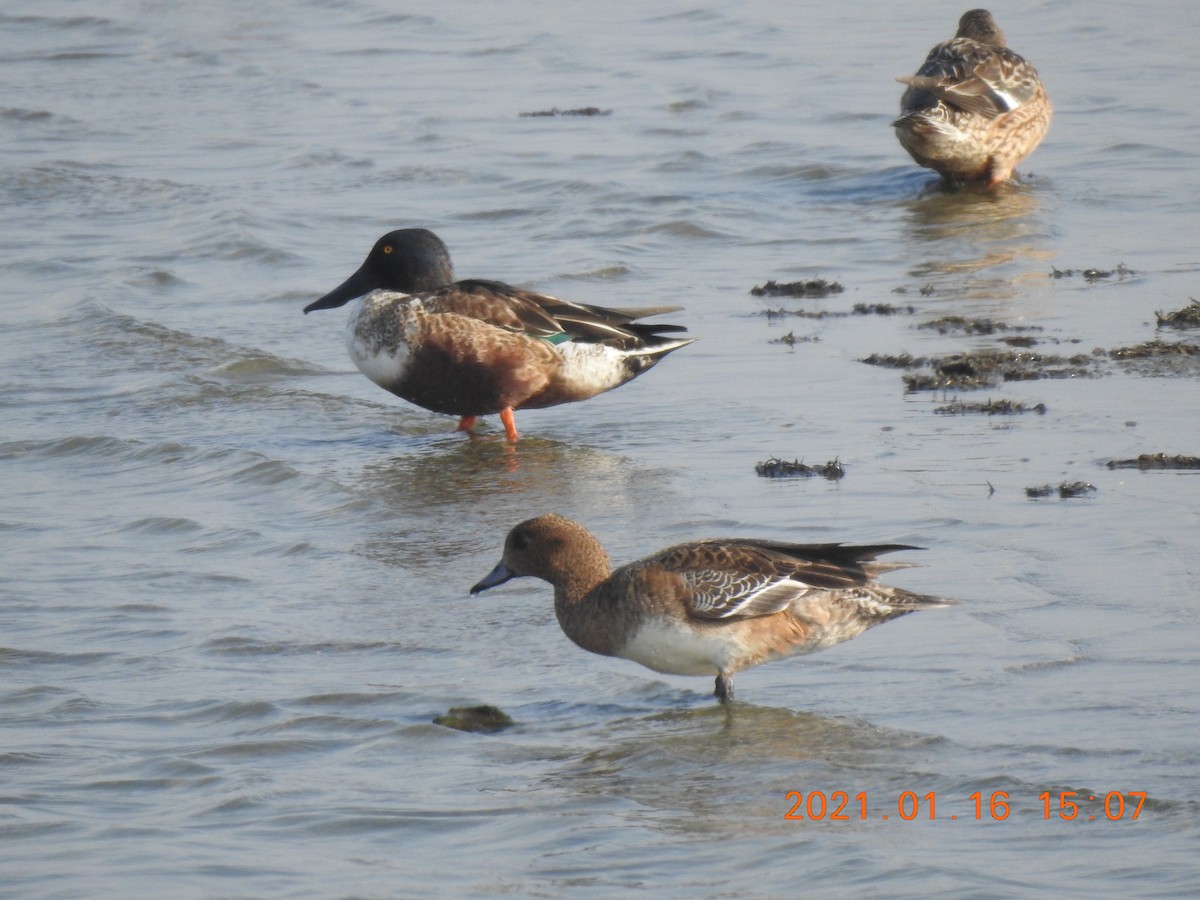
(510, 426)
(466, 423)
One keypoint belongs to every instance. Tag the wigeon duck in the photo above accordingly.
(975, 108)
(710, 607)
(473, 348)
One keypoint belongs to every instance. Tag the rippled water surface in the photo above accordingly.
(234, 572)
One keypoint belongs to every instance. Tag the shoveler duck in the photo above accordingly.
(975, 109)
(473, 348)
(710, 607)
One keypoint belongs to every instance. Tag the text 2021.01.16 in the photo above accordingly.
(842, 806)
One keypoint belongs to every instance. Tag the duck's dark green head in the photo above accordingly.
(407, 261)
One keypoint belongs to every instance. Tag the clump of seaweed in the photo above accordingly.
(781, 468)
(478, 719)
(896, 360)
(817, 287)
(982, 368)
(1155, 350)
(991, 408)
(859, 309)
(1148, 461)
(948, 324)
(782, 313)
(1188, 317)
(882, 309)
(555, 111)
(791, 340)
(1091, 276)
(1065, 491)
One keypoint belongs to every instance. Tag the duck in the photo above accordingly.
(975, 109)
(707, 607)
(475, 347)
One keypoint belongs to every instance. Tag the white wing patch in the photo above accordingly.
(719, 594)
(592, 368)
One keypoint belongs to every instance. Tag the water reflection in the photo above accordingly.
(460, 496)
(964, 232)
(706, 769)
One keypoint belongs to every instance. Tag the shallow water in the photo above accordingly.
(235, 572)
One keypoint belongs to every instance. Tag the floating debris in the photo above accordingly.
(1188, 317)
(1156, 461)
(1065, 491)
(781, 468)
(817, 287)
(555, 111)
(991, 408)
(477, 719)
(1093, 275)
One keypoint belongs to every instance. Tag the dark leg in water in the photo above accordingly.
(723, 690)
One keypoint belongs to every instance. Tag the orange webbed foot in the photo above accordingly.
(510, 425)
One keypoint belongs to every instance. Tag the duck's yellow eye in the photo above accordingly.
(387, 248)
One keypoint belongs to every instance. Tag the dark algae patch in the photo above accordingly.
(1091, 276)
(991, 367)
(478, 719)
(1148, 461)
(782, 313)
(982, 368)
(1155, 350)
(781, 468)
(1065, 491)
(817, 287)
(1163, 359)
(859, 309)
(882, 309)
(555, 111)
(990, 408)
(962, 325)
(791, 340)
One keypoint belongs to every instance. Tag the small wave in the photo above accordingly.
(257, 366)
(162, 525)
(243, 646)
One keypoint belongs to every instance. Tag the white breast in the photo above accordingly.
(375, 338)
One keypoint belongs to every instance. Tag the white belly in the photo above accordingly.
(673, 649)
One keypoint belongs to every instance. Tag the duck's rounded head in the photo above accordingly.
(978, 25)
(408, 260)
(547, 547)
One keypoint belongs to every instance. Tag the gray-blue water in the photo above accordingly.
(233, 573)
